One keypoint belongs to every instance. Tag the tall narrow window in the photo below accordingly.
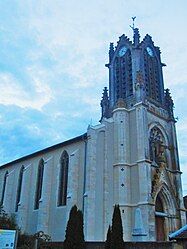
(4, 187)
(20, 180)
(39, 184)
(63, 179)
(152, 78)
(123, 76)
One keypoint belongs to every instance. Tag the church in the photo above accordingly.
(130, 158)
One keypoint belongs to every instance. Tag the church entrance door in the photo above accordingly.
(160, 217)
(160, 231)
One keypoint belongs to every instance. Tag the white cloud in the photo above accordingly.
(54, 56)
(12, 93)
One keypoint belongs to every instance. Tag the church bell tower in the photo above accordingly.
(134, 160)
(135, 74)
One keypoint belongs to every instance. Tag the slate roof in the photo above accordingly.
(180, 234)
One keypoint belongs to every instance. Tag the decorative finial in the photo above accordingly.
(136, 36)
(111, 51)
(132, 27)
(169, 102)
(105, 105)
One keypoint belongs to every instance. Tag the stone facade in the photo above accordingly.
(130, 159)
(49, 217)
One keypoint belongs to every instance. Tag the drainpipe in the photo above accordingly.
(84, 180)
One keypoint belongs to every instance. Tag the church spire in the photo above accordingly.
(105, 104)
(135, 74)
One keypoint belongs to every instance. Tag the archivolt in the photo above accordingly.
(162, 130)
(168, 200)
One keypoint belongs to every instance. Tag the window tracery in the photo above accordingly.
(157, 147)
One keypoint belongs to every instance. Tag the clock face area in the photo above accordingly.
(122, 51)
(149, 51)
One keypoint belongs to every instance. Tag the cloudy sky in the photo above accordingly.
(52, 73)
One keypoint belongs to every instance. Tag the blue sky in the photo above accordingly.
(52, 73)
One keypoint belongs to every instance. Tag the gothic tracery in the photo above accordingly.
(157, 147)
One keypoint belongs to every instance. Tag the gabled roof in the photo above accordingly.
(180, 234)
(48, 149)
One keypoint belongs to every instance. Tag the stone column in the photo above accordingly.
(108, 175)
(99, 196)
(121, 167)
(121, 156)
(121, 136)
(89, 214)
(142, 134)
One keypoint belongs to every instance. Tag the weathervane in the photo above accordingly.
(133, 19)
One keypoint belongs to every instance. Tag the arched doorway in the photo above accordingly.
(166, 216)
(160, 217)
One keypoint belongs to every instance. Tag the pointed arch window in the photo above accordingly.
(39, 184)
(123, 76)
(4, 187)
(19, 188)
(152, 77)
(63, 179)
(157, 145)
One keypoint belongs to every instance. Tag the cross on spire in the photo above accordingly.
(136, 36)
(133, 21)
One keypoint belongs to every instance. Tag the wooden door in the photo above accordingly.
(160, 231)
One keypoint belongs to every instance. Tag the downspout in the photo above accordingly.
(84, 179)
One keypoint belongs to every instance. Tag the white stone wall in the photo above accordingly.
(129, 173)
(48, 218)
(111, 167)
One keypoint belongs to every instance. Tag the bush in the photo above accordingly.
(8, 222)
(115, 234)
(25, 241)
(74, 238)
(108, 238)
